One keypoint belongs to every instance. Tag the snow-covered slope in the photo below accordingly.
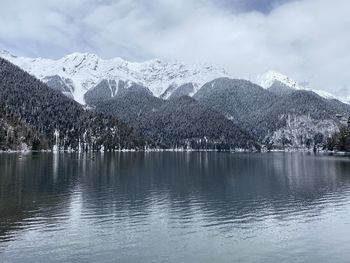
(77, 73)
(82, 71)
(346, 99)
(270, 78)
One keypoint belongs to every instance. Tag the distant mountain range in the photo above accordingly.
(78, 73)
(165, 105)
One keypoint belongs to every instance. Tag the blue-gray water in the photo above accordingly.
(174, 207)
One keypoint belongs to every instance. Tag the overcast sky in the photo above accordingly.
(306, 39)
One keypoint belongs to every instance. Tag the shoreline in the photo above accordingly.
(176, 150)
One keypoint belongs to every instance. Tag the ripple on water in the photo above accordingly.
(167, 208)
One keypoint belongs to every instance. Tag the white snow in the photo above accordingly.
(87, 70)
(346, 99)
(269, 78)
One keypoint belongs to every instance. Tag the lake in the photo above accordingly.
(174, 207)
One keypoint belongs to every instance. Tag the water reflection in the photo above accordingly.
(131, 206)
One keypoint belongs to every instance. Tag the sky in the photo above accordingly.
(308, 40)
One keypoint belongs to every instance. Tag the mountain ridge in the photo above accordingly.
(274, 79)
(80, 72)
(87, 70)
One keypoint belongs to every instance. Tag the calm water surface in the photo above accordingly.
(174, 207)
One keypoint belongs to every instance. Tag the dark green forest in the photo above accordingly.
(32, 113)
(225, 114)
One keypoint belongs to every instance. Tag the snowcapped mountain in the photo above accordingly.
(275, 80)
(77, 73)
(269, 78)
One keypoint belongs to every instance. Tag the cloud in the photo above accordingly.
(306, 39)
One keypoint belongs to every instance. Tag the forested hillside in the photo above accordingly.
(133, 105)
(239, 100)
(224, 114)
(178, 122)
(299, 103)
(279, 118)
(30, 104)
(185, 120)
(17, 135)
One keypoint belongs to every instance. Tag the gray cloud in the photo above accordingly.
(306, 39)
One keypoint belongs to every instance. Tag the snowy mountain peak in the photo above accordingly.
(81, 55)
(83, 71)
(77, 73)
(269, 78)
